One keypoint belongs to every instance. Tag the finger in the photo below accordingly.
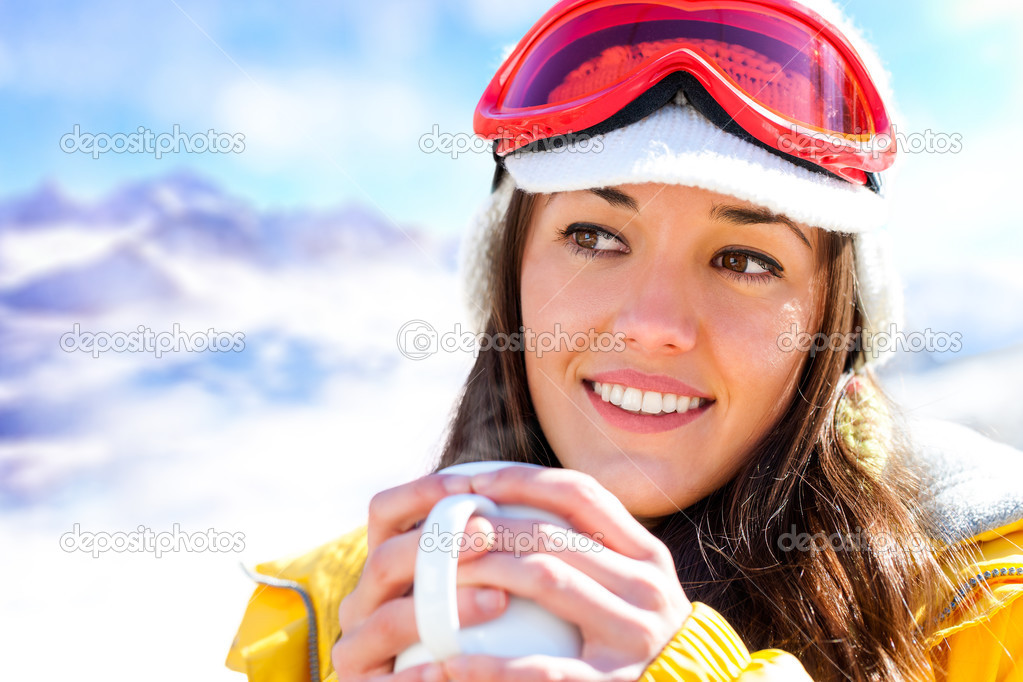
(371, 648)
(566, 592)
(526, 669)
(588, 507)
(398, 509)
(390, 570)
(427, 672)
(641, 584)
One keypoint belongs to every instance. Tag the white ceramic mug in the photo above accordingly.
(523, 629)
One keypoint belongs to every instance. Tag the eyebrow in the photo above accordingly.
(737, 215)
(742, 215)
(612, 196)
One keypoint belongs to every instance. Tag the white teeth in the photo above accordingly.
(647, 402)
(632, 400)
(651, 402)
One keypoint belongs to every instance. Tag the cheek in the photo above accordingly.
(554, 297)
(560, 306)
(549, 305)
(759, 369)
(759, 334)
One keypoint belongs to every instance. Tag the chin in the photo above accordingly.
(650, 503)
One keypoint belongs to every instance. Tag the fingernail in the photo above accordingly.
(434, 673)
(483, 480)
(489, 599)
(456, 484)
(454, 668)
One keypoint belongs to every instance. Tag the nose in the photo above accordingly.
(659, 313)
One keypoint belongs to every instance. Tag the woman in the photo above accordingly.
(701, 183)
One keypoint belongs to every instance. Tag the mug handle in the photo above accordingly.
(436, 574)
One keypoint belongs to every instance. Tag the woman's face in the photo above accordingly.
(684, 294)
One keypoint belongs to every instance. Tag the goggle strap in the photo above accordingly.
(499, 170)
(875, 183)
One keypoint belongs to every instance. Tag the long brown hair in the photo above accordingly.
(856, 613)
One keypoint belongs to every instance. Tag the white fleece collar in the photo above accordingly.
(972, 484)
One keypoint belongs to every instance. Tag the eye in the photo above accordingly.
(740, 262)
(591, 241)
(748, 264)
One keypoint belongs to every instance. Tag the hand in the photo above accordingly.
(377, 618)
(625, 598)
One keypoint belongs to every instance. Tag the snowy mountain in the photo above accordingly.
(124, 275)
(48, 205)
(186, 214)
(315, 298)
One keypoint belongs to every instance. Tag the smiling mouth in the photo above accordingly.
(650, 403)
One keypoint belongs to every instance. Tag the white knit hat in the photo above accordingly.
(678, 145)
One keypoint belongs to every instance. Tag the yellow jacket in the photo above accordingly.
(291, 623)
(975, 488)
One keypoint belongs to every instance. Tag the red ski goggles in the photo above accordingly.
(770, 71)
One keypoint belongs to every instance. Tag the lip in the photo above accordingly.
(637, 422)
(647, 382)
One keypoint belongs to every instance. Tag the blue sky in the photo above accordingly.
(333, 98)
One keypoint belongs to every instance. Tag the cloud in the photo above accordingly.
(314, 118)
(982, 12)
(990, 29)
(97, 50)
(6, 65)
(503, 17)
(394, 32)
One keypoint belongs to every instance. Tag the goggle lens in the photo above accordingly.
(774, 60)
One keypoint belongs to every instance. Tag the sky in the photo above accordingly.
(333, 100)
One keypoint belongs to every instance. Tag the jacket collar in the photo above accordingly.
(971, 484)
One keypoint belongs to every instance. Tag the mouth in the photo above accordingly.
(646, 402)
(641, 411)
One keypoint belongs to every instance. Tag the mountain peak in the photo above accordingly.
(48, 203)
